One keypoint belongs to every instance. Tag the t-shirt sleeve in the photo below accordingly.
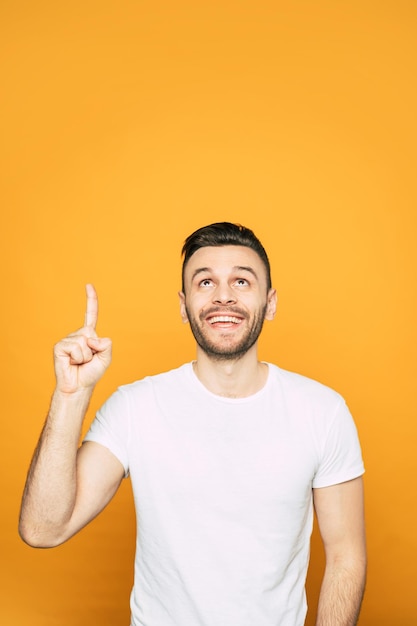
(341, 458)
(111, 427)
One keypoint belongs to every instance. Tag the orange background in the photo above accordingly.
(128, 124)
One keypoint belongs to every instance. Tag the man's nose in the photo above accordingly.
(224, 294)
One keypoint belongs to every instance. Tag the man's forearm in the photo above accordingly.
(50, 491)
(341, 595)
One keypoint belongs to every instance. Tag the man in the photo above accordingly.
(227, 456)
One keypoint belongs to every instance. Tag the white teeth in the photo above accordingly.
(224, 318)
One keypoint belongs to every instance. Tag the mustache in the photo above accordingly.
(223, 310)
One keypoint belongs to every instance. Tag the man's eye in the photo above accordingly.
(242, 282)
(205, 283)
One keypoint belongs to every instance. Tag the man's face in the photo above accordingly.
(226, 300)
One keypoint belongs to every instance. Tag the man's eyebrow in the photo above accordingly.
(200, 270)
(244, 268)
(236, 268)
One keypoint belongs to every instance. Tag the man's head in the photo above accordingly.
(224, 234)
(226, 292)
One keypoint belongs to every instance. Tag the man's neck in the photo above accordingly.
(231, 378)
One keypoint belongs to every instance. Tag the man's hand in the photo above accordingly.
(82, 357)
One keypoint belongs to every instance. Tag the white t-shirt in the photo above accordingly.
(223, 493)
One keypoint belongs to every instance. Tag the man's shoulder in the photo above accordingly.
(301, 385)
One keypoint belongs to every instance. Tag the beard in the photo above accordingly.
(226, 351)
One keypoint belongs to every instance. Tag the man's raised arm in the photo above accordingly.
(67, 487)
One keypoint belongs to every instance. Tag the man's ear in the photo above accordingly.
(183, 310)
(271, 304)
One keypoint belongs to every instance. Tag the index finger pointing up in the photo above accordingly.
(91, 312)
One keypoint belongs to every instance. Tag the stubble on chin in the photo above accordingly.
(219, 352)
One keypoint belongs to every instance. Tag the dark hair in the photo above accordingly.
(224, 234)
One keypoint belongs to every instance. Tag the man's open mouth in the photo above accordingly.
(224, 319)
